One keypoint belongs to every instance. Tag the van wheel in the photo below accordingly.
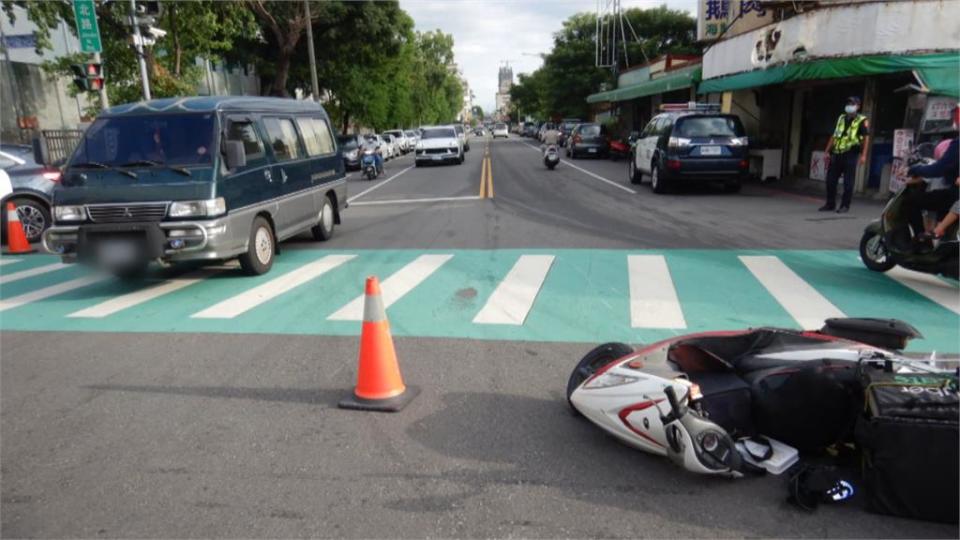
(323, 231)
(260, 249)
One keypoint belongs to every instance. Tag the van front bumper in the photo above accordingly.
(166, 241)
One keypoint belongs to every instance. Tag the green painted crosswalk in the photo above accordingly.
(515, 294)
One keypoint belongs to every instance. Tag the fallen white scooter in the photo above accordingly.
(703, 400)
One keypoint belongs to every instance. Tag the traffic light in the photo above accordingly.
(87, 77)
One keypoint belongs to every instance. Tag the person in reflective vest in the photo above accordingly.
(846, 148)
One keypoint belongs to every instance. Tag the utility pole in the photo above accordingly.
(313, 55)
(138, 45)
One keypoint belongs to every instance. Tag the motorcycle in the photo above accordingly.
(888, 241)
(701, 400)
(619, 149)
(369, 165)
(551, 156)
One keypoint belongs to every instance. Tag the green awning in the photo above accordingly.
(940, 72)
(677, 80)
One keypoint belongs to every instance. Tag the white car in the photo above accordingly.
(390, 149)
(500, 130)
(438, 144)
(400, 139)
(412, 137)
(6, 188)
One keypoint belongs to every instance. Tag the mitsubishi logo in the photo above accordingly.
(126, 213)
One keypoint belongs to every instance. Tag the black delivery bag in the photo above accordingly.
(908, 436)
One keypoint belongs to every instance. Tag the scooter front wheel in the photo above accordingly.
(591, 362)
(873, 252)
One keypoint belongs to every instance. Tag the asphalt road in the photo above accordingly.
(171, 433)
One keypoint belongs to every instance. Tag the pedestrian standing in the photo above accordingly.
(846, 148)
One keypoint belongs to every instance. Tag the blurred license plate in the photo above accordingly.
(591, 150)
(437, 158)
(709, 150)
(117, 252)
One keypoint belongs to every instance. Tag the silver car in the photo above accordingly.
(32, 186)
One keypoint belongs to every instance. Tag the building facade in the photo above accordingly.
(787, 68)
(504, 84)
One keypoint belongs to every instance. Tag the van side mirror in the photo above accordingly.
(634, 136)
(41, 151)
(235, 154)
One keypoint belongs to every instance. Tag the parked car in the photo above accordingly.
(400, 140)
(32, 188)
(462, 135)
(691, 145)
(390, 149)
(530, 129)
(500, 130)
(566, 127)
(587, 139)
(439, 144)
(413, 137)
(197, 178)
(350, 146)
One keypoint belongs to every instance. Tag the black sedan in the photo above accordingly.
(588, 140)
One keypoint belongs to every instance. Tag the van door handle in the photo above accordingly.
(267, 175)
(283, 176)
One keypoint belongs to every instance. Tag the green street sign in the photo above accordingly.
(87, 30)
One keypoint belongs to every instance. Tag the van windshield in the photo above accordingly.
(438, 133)
(167, 139)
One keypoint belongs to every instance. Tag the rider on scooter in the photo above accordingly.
(551, 137)
(937, 200)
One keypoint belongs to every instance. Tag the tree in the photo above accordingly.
(201, 29)
(477, 112)
(568, 75)
(282, 24)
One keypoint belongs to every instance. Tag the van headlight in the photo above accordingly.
(208, 208)
(69, 213)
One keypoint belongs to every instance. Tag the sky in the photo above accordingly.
(488, 32)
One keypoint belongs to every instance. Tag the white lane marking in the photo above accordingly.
(24, 274)
(381, 184)
(247, 300)
(394, 287)
(47, 292)
(929, 286)
(5, 260)
(415, 201)
(588, 173)
(807, 306)
(653, 297)
(514, 296)
(135, 298)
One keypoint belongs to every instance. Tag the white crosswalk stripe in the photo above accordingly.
(6, 260)
(807, 306)
(47, 292)
(396, 286)
(135, 298)
(928, 286)
(243, 302)
(514, 296)
(653, 297)
(24, 274)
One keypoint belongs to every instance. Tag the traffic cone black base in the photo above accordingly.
(392, 404)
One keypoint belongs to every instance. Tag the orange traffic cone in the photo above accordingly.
(379, 384)
(16, 238)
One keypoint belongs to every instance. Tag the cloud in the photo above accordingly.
(487, 33)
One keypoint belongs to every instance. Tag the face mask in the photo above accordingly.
(850, 109)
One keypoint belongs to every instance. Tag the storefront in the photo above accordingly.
(789, 80)
(641, 91)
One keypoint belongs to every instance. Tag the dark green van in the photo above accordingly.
(197, 178)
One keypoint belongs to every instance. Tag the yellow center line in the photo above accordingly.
(489, 178)
(483, 178)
